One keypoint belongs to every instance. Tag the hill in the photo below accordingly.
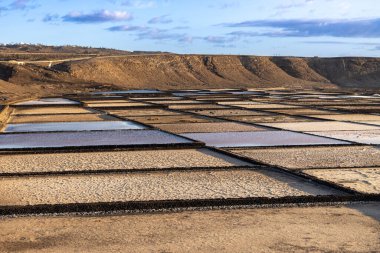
(171, 71)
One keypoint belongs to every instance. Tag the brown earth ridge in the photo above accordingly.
(173, 71)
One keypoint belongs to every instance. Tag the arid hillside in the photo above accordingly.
(171, 71)
(188, 71)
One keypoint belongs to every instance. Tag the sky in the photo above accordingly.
(324, 28)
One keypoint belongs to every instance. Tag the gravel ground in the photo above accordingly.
(208, 127)
(315, 157)
(259, 139)
(79, 139)
(350, 228)
(365, 137)
(17, 191)
(60, 118)
(118, 160)
(365, 180)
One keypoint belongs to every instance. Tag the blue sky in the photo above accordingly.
(257, 27)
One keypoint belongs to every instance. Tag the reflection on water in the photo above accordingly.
(80, 139)
(49, 101)
(72, 126)
(260, 138)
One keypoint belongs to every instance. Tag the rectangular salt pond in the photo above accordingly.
(110, 105)
(73, 126)
(296, 158)
(350, 117)
(142, 112)
(257, 105)
(185, 118)
(267, 118)
(218, 99)
(88, 139)
(51, 110)
(130, 160)
(240, 102)
(227, 112)
(321, 126)
(197, 185)
(260, 138)
(127, 92)
(189, 94)
(179, 102)
(106, 101)
(49, 101)
(61, 118)
(245, 93)
(364, 137)
(266, 106)
(376, 123)
(363, 180)
(196, 106)
(306, 112)
(358, 108)
(156, 98)
(209, 127)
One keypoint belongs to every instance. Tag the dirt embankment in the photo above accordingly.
(172, 71)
